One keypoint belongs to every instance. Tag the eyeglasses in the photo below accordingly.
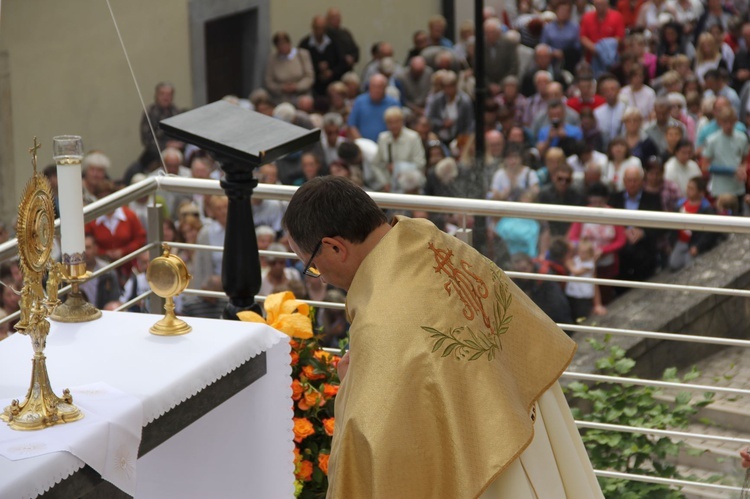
(310, 269)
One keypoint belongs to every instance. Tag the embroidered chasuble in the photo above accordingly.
(452, 386)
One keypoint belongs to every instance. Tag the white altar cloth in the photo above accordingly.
(162, 372)
(107, 438)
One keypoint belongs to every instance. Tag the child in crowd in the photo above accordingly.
(726, 204)
(583, 296)
(689, 244)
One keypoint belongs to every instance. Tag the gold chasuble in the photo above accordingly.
(448, 359)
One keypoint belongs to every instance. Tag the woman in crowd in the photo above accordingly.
(640, 145)
(620, 159)
(671, 44)
(509, 182)
(707, 56)
(289, 72)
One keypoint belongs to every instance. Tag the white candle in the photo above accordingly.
(68, 153)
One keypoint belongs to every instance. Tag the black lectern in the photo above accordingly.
(240, 140)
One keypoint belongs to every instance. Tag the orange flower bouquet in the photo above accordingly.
(315, 384)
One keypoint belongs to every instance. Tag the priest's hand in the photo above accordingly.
(745, 454)
(343, 366)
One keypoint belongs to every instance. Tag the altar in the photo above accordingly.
(216, 408)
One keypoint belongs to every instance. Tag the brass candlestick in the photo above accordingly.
(168, 277)
(41, 407)
(75, 308)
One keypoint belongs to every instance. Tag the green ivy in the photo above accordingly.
(631, 405)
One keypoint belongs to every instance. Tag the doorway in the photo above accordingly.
(230, 46)
(237, 57)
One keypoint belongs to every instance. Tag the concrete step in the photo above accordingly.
(707, 476)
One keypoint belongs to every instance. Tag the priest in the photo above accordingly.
(450, 388)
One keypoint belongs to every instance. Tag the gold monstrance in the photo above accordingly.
(36, 231)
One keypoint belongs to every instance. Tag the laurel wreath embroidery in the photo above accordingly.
(473, 293)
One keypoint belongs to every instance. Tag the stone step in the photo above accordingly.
(707, 476)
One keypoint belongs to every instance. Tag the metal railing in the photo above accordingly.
(713, 223)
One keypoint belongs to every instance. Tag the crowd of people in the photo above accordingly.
(633, 104)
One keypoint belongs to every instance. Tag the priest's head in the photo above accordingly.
(333, 225)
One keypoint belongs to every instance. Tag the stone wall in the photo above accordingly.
(726, 266)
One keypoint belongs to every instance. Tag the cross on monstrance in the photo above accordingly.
(32, 151)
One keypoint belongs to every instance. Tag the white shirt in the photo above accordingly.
(609, 120)
(407, 148)
(680, 174)
(613, 175)
(582, 289)
(111, 222)
(644, 99)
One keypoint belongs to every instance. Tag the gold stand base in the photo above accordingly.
(170, 326)
(75, 309)
(41, 408)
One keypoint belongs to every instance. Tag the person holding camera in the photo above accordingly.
(558, 133)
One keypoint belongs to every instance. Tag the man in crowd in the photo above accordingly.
(342, 37)
(366, 119)
(413, 326)
(399, 148)
(638, 258)
(501, 58)
(328, 61)
(609, 115)
(104, 288)
(415, 84)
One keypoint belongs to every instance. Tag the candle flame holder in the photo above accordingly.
(41, 408)
(75, 308)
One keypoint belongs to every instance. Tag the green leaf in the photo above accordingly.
(438, 343)
(476, 356)
(449, 349)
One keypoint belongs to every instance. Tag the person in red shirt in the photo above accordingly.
(587, 97)
(117, 233)
(600, 23)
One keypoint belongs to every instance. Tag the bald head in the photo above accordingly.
(542, 56)
(492, 30)
(333, 18)
(417, 66)
(378, 83)
(385, 49)
(554, 91)
(319, 27)
(632, 178)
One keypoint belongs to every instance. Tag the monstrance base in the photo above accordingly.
(41, 408)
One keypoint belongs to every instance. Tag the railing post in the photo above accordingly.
(154, 235)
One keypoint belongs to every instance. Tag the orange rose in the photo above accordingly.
(305, 471)
(335, 360)
(294, 344)
(308, 372)
(330, 391)
(303, 428)
(297, 457)
(328, 425)
(322, 355)
(323, 462)
(310, 400)
(295, 358)
(297, 390)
